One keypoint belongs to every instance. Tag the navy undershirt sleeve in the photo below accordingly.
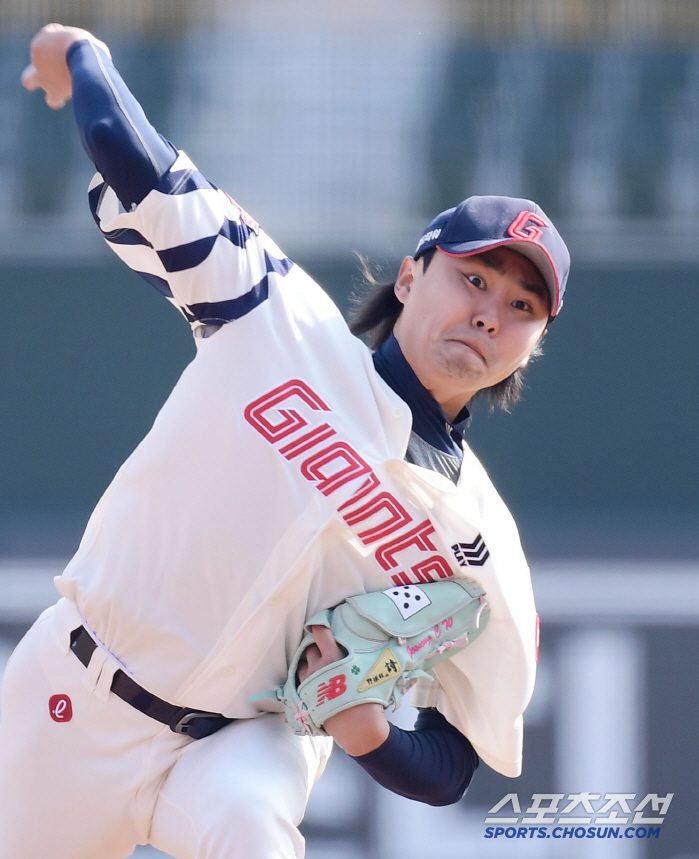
(122, 144)
(433, 764)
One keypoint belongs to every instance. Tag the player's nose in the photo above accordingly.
(486, 316)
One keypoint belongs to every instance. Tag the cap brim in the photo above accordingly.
(532, 250)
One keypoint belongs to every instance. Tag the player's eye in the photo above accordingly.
(521, 304)
(476, 280)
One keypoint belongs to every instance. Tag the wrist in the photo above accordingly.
(359, 730)
(52, 43)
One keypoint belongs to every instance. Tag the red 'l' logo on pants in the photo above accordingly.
(60, 708)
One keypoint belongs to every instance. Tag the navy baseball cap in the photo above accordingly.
(480, 223)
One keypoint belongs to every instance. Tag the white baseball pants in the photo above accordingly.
(83, 775)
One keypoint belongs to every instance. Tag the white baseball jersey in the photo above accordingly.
(273, 484)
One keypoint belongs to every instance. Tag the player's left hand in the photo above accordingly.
(48, 69)
(360, 729)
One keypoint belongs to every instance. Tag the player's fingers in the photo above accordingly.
(309, 663)
(55, 102)
(30, 78)
(329, 648)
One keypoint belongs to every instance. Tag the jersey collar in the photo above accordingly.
(429, 420)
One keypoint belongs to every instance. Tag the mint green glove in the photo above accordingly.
(391, 638)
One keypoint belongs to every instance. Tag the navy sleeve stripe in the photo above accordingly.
(234, 308)
(280, 266)
(183, 182)
(156, 282)
(236, 232)
(211, 312)
(126, 237)
(121, 236)
(189, 255)
(94, 195)
(192, 254)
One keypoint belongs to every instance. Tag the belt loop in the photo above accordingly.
(66, 618)
(94, 669)
(103, 685)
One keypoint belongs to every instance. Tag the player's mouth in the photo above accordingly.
(474, 347)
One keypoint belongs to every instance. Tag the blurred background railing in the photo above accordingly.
(345, 127)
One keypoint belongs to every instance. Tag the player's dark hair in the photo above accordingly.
(376, 310)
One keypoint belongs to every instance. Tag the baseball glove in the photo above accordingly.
(391, 638)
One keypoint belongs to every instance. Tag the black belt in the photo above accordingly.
(182, 720)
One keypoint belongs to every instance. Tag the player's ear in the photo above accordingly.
(404, 281)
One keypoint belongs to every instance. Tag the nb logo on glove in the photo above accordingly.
(334, 687)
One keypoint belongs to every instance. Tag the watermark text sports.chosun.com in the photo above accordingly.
(578, 815)
(572, 832)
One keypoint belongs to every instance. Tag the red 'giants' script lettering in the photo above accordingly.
(330, 462)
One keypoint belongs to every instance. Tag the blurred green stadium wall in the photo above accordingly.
(600, 456)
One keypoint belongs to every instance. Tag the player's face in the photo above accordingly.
(469, 322)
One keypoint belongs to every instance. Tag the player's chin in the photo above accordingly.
(461, 362)
(457, 353)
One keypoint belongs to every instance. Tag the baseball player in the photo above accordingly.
(290, 469)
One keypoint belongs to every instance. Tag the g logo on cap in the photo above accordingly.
(521, 227)
(60, 708)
